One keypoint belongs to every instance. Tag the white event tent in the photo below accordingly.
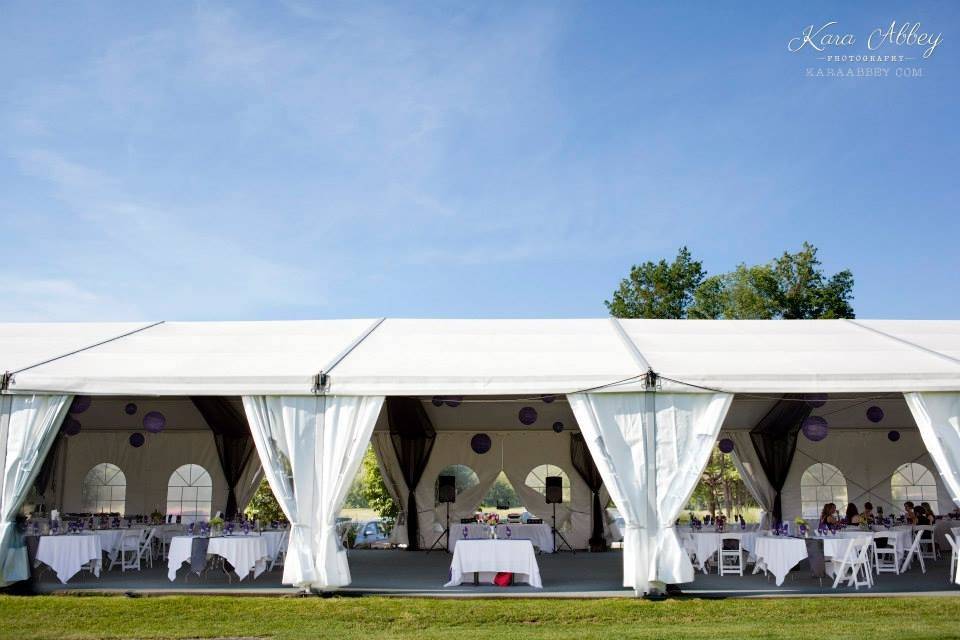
(650, 397)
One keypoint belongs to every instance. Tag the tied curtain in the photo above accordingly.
(392, 480)
(650, 449)
(235, 447)
(747, 462)
(583, 462)
(413, 436)
(937, 415)
(28, 427)
(311, 448)
(775, 442)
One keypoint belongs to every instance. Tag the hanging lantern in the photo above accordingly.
(481, 443)
(815, 428)
(71, 426)
(130, 409)
(874, 414)
(453, 401)
(816, 400)
(725, 445)
(80, 404)
(528, 415)
(548, 398)
(154, 422)
(893, 436)
(557, 427)
(137, 440)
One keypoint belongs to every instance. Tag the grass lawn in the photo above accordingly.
(67, 617)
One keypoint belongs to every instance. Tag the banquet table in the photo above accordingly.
(539, 534)
(486, 558)
(109, 540)
(66, 554)
(245, 553)
(274, 540)
(780, 554)
(706, 543)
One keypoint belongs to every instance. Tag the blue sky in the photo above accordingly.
(309, 160)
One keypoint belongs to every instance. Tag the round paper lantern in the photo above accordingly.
(480, 443)
(893, 436)
(726, 445)
(815, 428)
(80, 404)
(437, 401)
(130, 409)
(816, 400)
(453, 401)
(528, 415)
(154, 422)
(548, 399)
(874, 414)
(137, 440)
(71, 426)
(557, 427)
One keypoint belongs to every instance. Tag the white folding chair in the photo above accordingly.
(954, 557)
(731, 555)
(914, 551)
(128, 551)
(886, 559)
(146, 548)
(854, 567)
(281, 555)
(928, 548)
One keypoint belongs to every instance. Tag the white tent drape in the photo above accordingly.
(311, 448)
(392, 480)
(650, 449)
(249, 482)
(28, 425)
(747, 462)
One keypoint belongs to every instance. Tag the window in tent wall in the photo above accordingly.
(913, 482)
(190, 493)
(466, 478)
(537, 479)
(822, 483)
(104, 489)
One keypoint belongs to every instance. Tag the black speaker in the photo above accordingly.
(446, 489)
(554, 489)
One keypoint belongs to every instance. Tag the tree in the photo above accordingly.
(501, 492)
(721, 488)
(264, 505)
(374, 489)
(658, 289)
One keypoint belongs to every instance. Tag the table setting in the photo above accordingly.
(246, 550)
(495, 561)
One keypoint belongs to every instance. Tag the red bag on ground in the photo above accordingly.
(502, 579)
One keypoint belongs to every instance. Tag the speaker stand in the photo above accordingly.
(446, 532)
(555, 532)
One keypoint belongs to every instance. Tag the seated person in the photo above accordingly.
(829, 514)
(853, 516)
(930, 514)
(922, 516)
(908, 512)
(868, 514)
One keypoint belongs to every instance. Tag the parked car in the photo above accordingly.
(372, 535)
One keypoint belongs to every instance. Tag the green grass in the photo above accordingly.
(72, 617)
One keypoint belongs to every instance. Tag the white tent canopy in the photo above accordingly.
(481, 357)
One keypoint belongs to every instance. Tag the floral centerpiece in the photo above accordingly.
(216, 525)
(156, 517)
(801, 526)
(491, 520)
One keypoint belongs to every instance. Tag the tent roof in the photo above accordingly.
(483, 357)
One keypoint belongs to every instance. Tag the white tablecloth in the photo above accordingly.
(538, 534)
(780, 554)
(177, 554)
(65, 554)
(706, 543)
(245, 552)
(273, 538)
(489, 557)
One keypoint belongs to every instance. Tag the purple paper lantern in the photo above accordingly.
(528, 415)
(154, 422)
(130, 409)
(557, 427)
(453, 401)
(480, 443)
(874, 414)
(437, 401)
(548, 398)
(725, 445)
(893, 436)
(80, 404)
(71, 426)
(815, 428)
(816, 400)
(137, 440)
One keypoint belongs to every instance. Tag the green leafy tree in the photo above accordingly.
(264, 505)
(658, 289)
(501, 492)
(374, 490)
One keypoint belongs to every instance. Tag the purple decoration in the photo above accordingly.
(726, 445)
(71, 426)
(874, 414)
(548, 398)
(815, 428)
(130, 409)
(137, 440)
(558, 426)
(816, 400)
(528, 415)
(437, 401)
(893, 436)
(453, 401)
(80, 404)
(154, 422)
(480, 443)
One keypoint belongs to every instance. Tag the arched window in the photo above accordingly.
(465, 478)
(104, 489)
(913, 482)
(537, 479)
(822, 483)
(190, 493)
